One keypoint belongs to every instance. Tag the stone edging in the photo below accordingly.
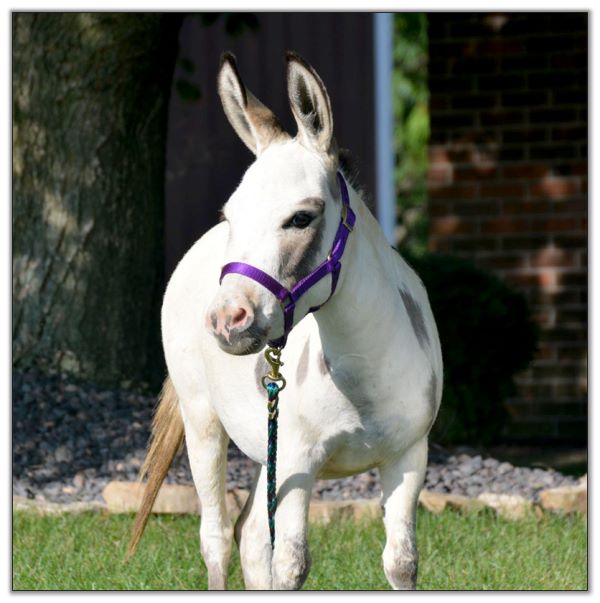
(22, 503)
(125, 497)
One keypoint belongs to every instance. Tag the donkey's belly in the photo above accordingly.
(374, 425)
(350, 459)
(360, 450)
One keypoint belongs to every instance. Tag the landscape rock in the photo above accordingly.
(436, 502)
(22, 503)
(504, 468)
(126, 497)
(236, 499)
(63, 455)
(507, 505)
(568, 499)
(328, 510)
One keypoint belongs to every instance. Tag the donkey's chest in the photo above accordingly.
(333, 414)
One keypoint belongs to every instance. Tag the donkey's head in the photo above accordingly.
(283, 216)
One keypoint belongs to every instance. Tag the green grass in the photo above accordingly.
(458, 552)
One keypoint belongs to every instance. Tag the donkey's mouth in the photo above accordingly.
(249, 341)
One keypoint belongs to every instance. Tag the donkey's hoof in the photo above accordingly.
(291, 565)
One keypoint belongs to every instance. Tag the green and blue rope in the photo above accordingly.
(272, 405)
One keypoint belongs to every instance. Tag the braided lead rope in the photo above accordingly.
(271, 383)
(272, 406)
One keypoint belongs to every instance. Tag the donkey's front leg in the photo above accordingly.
(252, 536)
(291, 558)
(401, 482)
(207, 450)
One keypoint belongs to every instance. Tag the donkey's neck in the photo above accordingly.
(358, 318)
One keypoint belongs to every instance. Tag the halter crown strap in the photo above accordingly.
(332, 265)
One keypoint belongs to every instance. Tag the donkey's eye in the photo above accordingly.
(300, 219)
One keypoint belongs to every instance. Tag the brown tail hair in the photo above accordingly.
(165, 441)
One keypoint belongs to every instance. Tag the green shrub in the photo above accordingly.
(411, 127)
(487, 335)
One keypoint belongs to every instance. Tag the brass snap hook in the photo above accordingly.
(273, 357)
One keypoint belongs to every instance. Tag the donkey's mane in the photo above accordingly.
(349, 168)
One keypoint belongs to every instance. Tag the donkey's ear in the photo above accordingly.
(254, 123)
(310, 104)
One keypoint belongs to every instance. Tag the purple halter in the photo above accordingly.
(289, 298)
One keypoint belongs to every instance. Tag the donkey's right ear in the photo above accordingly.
(256, 125)
(310, 104)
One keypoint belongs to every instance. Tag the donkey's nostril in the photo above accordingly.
(230, 322)
(238, 317)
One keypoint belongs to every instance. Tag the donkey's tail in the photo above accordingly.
(165, 441)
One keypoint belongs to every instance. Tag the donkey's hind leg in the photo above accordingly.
(401, 482)
(252, 536)
(207, 450)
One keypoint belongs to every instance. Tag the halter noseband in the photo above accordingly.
(289, 298)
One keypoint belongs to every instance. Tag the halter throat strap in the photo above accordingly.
(332, 265)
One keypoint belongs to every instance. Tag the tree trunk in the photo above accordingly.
(90, 94)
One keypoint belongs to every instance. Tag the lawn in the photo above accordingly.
(476, 551)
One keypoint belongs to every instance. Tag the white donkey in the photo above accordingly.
(364, 372)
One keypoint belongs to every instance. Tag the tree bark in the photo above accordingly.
(90, 95)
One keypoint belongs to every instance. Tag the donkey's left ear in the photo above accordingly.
(256, 125)
(310, 104)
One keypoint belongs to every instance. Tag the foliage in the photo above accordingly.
(188, 91)
(487, 335)
(234, 25)
(411, 133)
(467, 552)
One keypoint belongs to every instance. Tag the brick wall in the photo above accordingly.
(508, 186)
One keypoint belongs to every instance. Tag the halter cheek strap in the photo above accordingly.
(332, 265)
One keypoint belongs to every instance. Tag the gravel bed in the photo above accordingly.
(71, 438)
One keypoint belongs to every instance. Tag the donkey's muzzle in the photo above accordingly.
(235, 329)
